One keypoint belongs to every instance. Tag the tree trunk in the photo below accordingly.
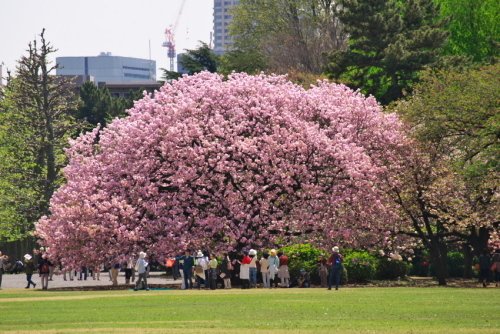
(439, 256)
(468, 258)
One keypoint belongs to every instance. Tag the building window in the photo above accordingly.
(227, 3)
(218, 10)
(227, 17)
(113, 94)
(218, 17)
(136, 68)
(218, 4)
(218, 31)
(218, 45)
(218, 24)
(137, 76)
(126, 95)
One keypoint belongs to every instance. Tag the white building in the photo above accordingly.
(222, 19)
(108, 68)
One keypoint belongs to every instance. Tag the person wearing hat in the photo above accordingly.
(252, 267)
(141, 266)
(30, 269)
(3, 266)
(305, 280)
(201, 269)
(335, 261)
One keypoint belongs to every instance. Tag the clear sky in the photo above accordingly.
(88, 27)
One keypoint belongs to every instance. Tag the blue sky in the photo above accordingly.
(88, 27)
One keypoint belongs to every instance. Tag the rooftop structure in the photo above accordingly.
(108, 68)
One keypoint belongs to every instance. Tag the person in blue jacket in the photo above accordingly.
(187, 268)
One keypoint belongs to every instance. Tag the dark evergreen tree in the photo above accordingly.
(95, 104)
(200, 59)
(36, 120)
(389, 42)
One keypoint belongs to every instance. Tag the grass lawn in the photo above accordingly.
(348, 310)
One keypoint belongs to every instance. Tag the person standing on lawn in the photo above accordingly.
(485, 264)
(3, 266)
(226, 268)
(264, 270)
(44, 270)
(187, 268)
(252, 268)
(323, 271)
(496, 262)
(283, 273)
(212, 264)
(142, 269)
(274, 263)
(30, 269)
(335, 261)
(245, 270)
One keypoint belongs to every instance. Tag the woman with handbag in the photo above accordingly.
(226, 268)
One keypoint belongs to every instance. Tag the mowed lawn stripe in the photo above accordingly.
(416, 310)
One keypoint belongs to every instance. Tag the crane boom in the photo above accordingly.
(170, 37)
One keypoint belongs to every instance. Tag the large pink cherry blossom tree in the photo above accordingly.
(227, 164)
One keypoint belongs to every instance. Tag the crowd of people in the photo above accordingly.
(201, 269)
(204, 269)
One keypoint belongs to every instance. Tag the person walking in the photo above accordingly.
(30, 269)
(44, 270)
(335, 261)
(142, 269)
(226, 269)
(128, 269)
(264, 270)
(496, 266)
(3, 266)
(485, 264)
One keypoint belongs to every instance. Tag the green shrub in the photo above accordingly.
(456, 264)
(303, 256)
(360, 265)
(392, 269)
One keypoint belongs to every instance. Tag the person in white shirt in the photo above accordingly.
(141, 267)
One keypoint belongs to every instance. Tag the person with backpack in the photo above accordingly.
(44, 270)
(335, 261)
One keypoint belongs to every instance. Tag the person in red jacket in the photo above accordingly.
(283, 273)
(335, 261)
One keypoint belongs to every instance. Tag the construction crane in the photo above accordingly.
(170, 37)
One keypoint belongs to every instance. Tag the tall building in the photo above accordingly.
(222, 19)
(108, 68)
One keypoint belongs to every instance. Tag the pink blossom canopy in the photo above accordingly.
(224, 164)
